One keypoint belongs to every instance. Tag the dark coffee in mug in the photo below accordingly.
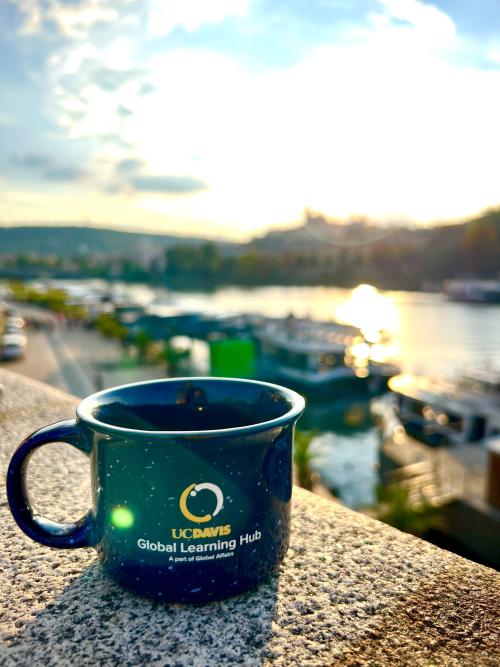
(191, 484)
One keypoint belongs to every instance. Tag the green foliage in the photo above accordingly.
(303, 456)
(193, 262)
(53, 299)
(109, 326)
(482, 244)
(396, 509)
(142, 341)
(18, 290)
(174, 356)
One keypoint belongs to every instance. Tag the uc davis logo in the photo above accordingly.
(192, 490)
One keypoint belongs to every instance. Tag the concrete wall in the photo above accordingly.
(351, 591)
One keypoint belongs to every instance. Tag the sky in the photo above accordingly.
(224, 118)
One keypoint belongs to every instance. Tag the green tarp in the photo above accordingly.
(232, 357)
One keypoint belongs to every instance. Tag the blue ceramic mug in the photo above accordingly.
(191, 484)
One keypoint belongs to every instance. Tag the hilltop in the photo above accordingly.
(67, 241)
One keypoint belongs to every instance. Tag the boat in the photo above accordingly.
(483, 382)
(314, 357)
(473, 291)
(439, 412)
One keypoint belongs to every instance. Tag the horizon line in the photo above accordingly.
(354, 219)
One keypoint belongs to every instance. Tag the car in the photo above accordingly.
(11, 329)
(12, 346)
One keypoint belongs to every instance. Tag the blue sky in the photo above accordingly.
(225, 117)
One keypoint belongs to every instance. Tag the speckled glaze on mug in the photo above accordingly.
(191, 484)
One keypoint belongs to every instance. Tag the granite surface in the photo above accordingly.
(352, 591)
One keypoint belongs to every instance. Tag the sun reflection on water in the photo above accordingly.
(376, 316)
(374, 313)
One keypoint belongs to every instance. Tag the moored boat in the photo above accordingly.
(441, 412)
(473, 291)
(317, 357)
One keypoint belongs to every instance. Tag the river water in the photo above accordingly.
(429, 334)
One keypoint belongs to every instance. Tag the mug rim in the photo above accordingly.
(84, 414)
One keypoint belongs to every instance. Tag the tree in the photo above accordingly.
(482, 246)
(142, 341)
(109, 326)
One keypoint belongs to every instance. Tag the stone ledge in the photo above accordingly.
(351, 591)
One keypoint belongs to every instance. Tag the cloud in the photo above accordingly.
(123, 111)
(92, 99)
(113, 189)
(436, 25)
(164, 16)
(32, 12)
(129, 166)
(168, 184)
(112, 139)
(130, 177)
(109, 79)
(46, 168)
(75, 19)
(79, 19)
(30, 161)
(63, 174)
(146, 89)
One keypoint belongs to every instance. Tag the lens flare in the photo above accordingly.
(122, 517)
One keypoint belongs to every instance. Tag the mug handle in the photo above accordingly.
(47, 532)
